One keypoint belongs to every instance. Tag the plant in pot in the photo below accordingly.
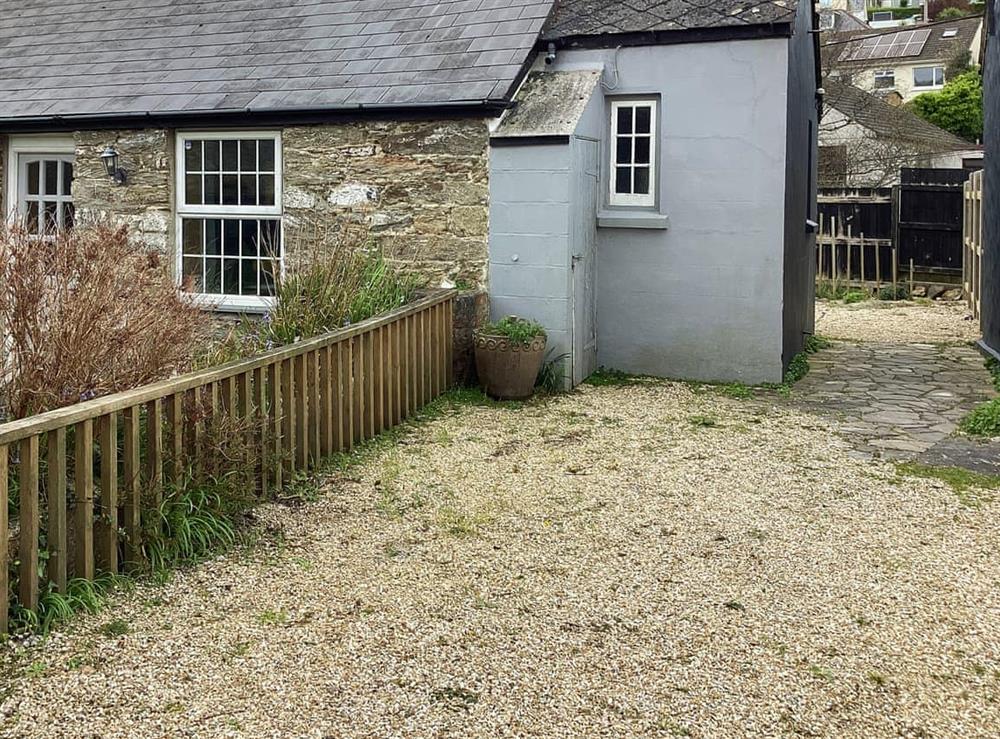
(509, 355)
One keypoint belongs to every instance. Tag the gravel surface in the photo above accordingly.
(902, 322)
(622, 561)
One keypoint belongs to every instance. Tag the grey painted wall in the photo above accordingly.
(800, 188)
(991, 186)
(530, 204)
(704, 298)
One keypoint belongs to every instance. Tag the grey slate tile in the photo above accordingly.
(174, 56)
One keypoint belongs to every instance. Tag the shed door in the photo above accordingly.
(584, 257)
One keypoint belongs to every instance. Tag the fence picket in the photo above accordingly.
(107, 539)
(83, 518)
(131, 467)
(154, 450)
(28, 538)
(56, 532)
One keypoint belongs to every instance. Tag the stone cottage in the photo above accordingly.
(222, 132)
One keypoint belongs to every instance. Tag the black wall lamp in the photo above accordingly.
(110, 159)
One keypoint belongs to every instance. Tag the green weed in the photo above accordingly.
(704, 421)
(964, 482)
(118, 627)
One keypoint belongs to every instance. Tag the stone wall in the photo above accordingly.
(423, 185)
(146, 202)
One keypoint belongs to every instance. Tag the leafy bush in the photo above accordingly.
(332, 281)
(984, 419)
(900, 292)
(957, 107)
(855, 296)
(87, 313)
(518, 330)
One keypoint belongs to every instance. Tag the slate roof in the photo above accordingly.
(937, 49)
(599, 17)
(878, 116)
(118, 58)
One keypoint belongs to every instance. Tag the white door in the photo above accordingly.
(583, 250)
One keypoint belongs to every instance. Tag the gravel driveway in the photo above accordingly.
(623, 561)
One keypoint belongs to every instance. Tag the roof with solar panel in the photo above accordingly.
(940, 41)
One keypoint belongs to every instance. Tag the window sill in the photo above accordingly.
(638, 219)
(231, 304)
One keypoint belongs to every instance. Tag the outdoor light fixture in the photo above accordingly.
(110, 159)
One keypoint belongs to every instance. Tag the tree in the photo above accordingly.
(943, 10)
(957, 108)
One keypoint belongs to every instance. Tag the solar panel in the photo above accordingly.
(886, 46)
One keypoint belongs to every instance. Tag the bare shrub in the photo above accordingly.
(86, 313)
(334, 276)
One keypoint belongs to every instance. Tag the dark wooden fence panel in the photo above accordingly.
(929, 220)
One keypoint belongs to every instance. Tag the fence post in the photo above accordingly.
(28, 539)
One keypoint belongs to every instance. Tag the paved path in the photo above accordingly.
(903, 401)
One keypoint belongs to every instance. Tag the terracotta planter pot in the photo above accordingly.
(508, 370)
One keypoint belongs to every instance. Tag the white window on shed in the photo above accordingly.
(40, 183)
(633, 153)
(229, 227)
(928, 77)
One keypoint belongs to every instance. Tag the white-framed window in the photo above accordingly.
(633, 152)
(928, 76)
(885, 79)
(229, 226)
(40, 183)
(883, 16)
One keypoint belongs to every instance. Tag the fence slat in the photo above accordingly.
(378, 381)
(301, 392)
(28, 539)
(83, 518)
(288, 418)
(337, 358)
(275, 421)
(107, 546)
(326, 391)
(316, 413)
(175, 422)
(131, 467)
(4, 526)
(368, 341)
(56, 531)
(357, 389)
(154, 450)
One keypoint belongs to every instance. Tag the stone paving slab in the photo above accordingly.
(902, 401)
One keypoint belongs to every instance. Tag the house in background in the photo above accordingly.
(656, 221)
(908, 61)
(864, 141)
(843, 15)
(893, 13)
(991, 192)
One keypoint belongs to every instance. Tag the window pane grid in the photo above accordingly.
(633, 125)
(230, 240)
(45, 193)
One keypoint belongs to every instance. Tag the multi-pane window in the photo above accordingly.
(45, 192)
(229, 216)
(633, 152)
(928, 77)
(885, 79)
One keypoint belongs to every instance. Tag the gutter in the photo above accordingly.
(666, 38)
(255, 116)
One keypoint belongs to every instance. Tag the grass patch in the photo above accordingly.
(964, 482)
(118, 627)
(984, 420)
(799, 366)
(705, 422)
(608, 377)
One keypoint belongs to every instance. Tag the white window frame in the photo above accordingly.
(647, 200)
(57, 146)
(239, 303)
(935, 85)
(885, 74)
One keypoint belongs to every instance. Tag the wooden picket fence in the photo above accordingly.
(972, 243)
(307, 400)
(848, 258)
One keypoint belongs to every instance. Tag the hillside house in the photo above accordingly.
(864, 141)
(655, 222)
(905, 61)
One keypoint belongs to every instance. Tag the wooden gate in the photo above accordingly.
(929, 221)
(972, 253)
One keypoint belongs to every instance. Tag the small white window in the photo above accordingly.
(885, 79)
(633, 153)
(41, 183)
(928, 77)
(229, 229)
(881, 17)
(949, 33)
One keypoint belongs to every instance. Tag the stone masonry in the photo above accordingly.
(422, 185)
